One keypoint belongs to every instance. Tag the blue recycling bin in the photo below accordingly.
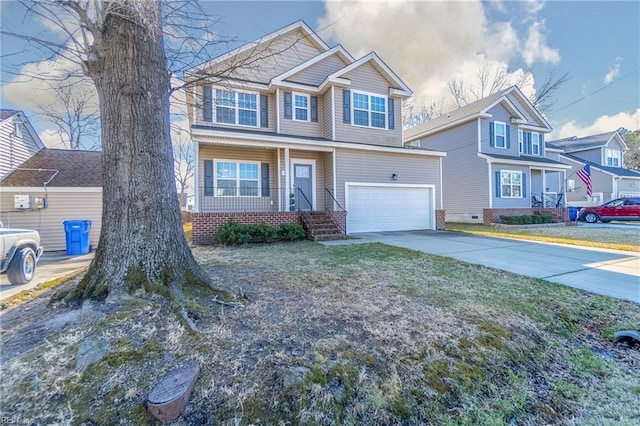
(573, 213)
(77, 233)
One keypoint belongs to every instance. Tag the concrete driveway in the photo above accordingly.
(601, 271)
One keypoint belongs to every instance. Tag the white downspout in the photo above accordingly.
(196, 174)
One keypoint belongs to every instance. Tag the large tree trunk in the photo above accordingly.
(141, 240)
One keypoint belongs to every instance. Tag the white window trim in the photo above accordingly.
(369, 94)
(535, 143)
(512, 185)
(521, 141)
(293, 105)
(237, 163)
(236, 107)
(614, 154)
(495, 134)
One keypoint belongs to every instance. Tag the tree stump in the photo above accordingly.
(170, 396)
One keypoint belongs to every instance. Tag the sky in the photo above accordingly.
(427, 43)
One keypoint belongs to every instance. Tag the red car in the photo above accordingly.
(625, 208)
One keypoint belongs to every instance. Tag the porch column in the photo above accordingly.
(544, 188)
(196, 180)
(564, 188)
(335, 179)
(279, 172)
(287, 177)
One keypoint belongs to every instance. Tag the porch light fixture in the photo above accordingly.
(394, 176)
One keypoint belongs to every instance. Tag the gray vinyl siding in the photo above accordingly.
(15, 150)
(526, 110)
(220, 152)
(269, 59)
(327, 127)
(628, 186)
(464, 175)
(510, 203)
(289, 126)
(367, 79)
(48, 222)
(592, 155)
(499, 114)
(327, 161)
(377, 167)
(318, 72)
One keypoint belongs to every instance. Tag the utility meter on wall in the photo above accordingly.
(22, 202)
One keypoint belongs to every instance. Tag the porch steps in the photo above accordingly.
(320, 226)
(557, 215)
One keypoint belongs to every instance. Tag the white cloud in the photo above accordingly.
(602, 124)
(536, 48)
(52, 139)
(614, 71)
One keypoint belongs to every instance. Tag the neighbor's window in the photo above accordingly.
(369, 110)
(301, 105)
(236, 108)
(500, 134)
(235, 179)
(536, 143)
(613, 157)
(510, 184)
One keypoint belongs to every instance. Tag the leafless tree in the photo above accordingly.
(412, 115)
(122, 45)
(544, 98)
(183, 165)
(75, 115)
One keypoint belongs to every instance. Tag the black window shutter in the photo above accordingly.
(287, 104)
(508, 136)
(491, 133)
(264, 173)
(346, 106)
(391, 114)
(498, 185)
(264, 111)
(207, 103)
(208, 177)
(314, 108)
(524, 185)
(529, 149)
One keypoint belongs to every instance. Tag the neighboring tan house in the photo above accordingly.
(609, 178)
(306, 131)
(55, 185)
(496, 161)
(18, 140)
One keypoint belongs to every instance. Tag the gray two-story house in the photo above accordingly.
(18, 140)
(609, 178)
(287, 126)
(496, 162)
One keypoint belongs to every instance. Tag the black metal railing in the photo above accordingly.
(548, 201)
(302, 204)
(244, 199)
(333, 207)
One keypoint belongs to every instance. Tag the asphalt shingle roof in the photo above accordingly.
(525, 158)
(6, 113)
(75, 169)
(618, 171)
(573, 143)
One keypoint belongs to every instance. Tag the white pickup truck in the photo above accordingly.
(19, 253)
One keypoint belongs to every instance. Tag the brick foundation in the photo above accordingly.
(440, 219)
(205, 225)
(493, 215)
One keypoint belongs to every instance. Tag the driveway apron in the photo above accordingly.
(607, 272)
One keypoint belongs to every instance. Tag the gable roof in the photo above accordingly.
(336, 50)
(298, 25)
(58, 168)
(471, 111)
(575, 144)
(616, 171)
(6, 114)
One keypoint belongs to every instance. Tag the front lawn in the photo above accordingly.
(627, 239)
(359, 334)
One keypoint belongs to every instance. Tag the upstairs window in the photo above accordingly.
(369, 110)
(612, 157)
(500, 134)
(536, 144)
(301, 107)
(521, 141)
(239, 108)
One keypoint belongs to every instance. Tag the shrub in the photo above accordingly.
(526, 219)
(291, 232)
(231, 232)
(262, 233)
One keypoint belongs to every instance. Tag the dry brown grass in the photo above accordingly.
(363, 334)
(627, 239)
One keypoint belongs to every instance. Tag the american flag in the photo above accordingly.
(585, 174)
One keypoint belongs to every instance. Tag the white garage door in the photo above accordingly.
(373, 208)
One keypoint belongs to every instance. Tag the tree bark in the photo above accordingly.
(141, 241)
